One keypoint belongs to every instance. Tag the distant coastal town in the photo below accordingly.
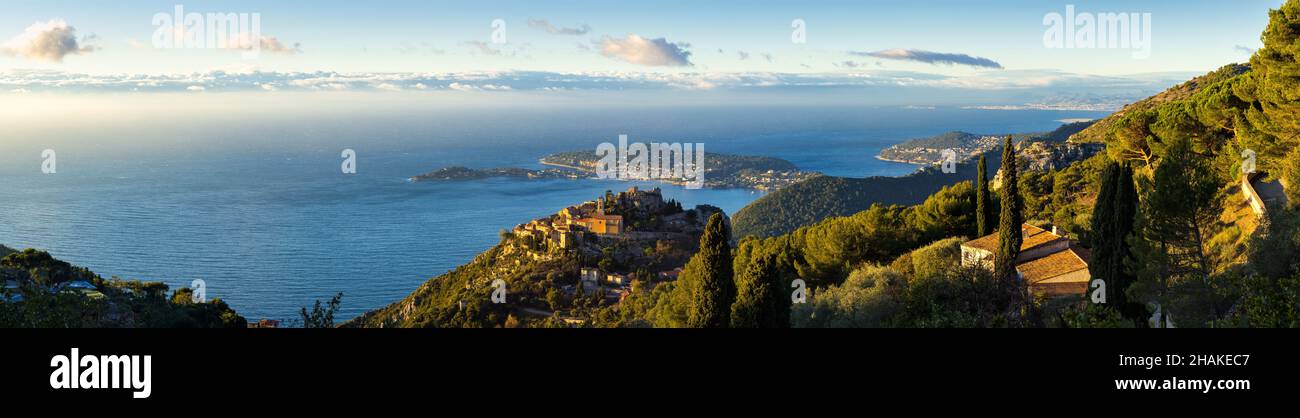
(929, 151)
(722, 171)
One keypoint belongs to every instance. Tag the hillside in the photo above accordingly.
(41, 291)
(819, 198)
(1096, 133)
(810, 201)
(554, 271)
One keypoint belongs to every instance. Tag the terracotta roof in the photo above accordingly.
(1049, 269)
(1033, 237)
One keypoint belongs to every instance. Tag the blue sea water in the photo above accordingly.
(261, 212)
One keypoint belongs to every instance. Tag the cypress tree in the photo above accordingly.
(1009, 234)
(983, 205)
(762, 300)
(711, 267)
(1125, 212)
(1103, 236)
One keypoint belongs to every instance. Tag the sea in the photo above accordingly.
(261, 211)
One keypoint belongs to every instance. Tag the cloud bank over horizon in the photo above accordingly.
(877, 86)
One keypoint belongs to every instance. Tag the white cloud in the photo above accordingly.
(472, 87)
(643, 51)
(462, 87)
(483, 47)
(244, 41)
(196, 88)
(930, 57)
(546, 25)
(49, 41)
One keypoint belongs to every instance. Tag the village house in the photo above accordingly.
(618, 279)
(567, 227)
(670, 275)
(589, 275)
(265, 323)
(591, 217)
(1049, 263)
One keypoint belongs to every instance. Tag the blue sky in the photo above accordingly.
(712, 41)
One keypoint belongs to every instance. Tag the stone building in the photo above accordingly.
(1049, 263)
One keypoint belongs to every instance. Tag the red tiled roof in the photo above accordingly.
(1033, 237)
(1049, 269)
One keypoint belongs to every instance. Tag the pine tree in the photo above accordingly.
(1181, 208)
(711, 267)
(983, 205)
(1273, 83)
(1184, 204)
(1009, 226)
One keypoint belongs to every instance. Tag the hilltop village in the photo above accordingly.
(634, 235)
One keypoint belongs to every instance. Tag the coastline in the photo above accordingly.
(548, 163)
(883, 158)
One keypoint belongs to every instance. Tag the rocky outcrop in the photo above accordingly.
(1048, 156)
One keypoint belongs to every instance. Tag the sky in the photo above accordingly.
(484, 46)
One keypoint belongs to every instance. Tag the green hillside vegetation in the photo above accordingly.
(461, 298)
(113, 303)
(812, 200)
(821, 255)
(1098, 131)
